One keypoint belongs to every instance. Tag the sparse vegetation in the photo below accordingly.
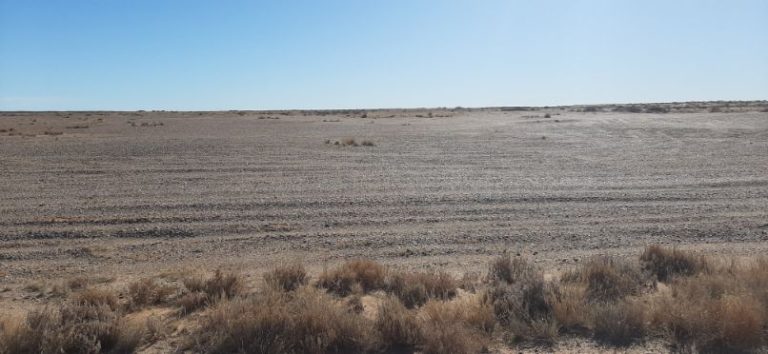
(308, 321)
(149, 291)
(350, 142)
(607, 279)
(77, 326)
(415, 289)
(357, 276)
(287, 277)
(362, 306)
(666, 264)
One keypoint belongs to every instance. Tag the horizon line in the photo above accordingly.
(397, 108)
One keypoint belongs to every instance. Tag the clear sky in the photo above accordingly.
(228, 54)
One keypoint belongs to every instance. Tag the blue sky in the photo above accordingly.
(192, 55)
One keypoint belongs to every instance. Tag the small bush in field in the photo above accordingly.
(607, 279)
(221, 284)
(414, 289)
(521, 300)
(307, 321)
(202, 292)
(619, 323)
(510, 270)
(287, 278)
(364, 275)
(349, 142)
(448, 327)
(666, 264)
(72, 327)
(399, 328)
(147, 292)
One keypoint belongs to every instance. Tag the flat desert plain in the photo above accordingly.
(121, 195)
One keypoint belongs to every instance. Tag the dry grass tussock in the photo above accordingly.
(357, 276)
(305, 321)
(201, 292)
(287, 277)
(364, 307)
(666, 264)
(522, 300)
(84, 325)
(607, 279)
(415, 289)
(150, 292)
(350, 142)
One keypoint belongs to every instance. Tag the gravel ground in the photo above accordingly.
(132, 193)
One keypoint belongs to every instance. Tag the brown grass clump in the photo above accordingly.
(522, 300)
(305, 321)
(607, 279)
(451, 327)
(571, 309)
(367, 143)
(148, 292)
(619, 323)
(353, 276)
(349, 142)
(97, 297)
(201, 292)
(287, 278)
(74, 327)
(78, 283)
(220, 285)
(509, 270)
(414, 289)
(399, 328)
(193, 301)
(666, 264)
(711, 313)
(470, 281)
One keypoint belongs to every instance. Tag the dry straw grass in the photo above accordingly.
(666, 264)
(704, 306)
(201, 292)
(149, 292)
(357, 276)
(607, 279)
(287, 278)
(415, 289)
(76, 326)
(307, 321)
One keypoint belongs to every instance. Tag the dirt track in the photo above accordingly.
(133, 193)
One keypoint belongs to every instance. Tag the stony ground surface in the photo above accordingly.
(136, 193)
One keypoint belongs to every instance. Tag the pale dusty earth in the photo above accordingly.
(127, 194)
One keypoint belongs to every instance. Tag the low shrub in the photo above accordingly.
(510, 270)
(414, 289)
(73, 327)
(398, 327)
(287, 278)
(149, 292)
(666, 264)
(353, 276)
(220, 285)
(448, 328)
(97, 297)
(619, 323)
(305, 321)
(522, 300)
(607, 279)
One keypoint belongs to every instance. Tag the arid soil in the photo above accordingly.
(124, 194)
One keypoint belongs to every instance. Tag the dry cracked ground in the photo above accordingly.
(126, 194)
